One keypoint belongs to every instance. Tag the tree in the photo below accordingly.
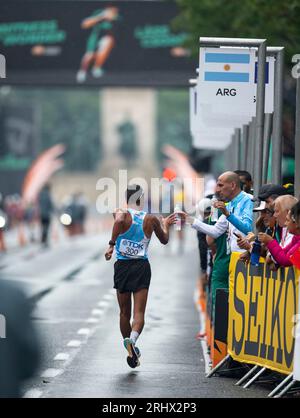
(276, 20)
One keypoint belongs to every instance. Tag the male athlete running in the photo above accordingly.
(131, 235)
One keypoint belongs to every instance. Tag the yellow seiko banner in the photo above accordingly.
(262, 309)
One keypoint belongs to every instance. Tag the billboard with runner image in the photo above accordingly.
(93, 43)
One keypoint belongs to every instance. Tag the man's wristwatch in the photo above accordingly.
(112, 243)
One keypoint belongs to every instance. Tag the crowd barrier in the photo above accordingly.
(256, 321)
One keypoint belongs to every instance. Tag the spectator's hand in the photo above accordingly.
(245, 257)
(243, 243)
(109, 252)
(273, 266)
(264, 238)
(221, 205)
(269, 259)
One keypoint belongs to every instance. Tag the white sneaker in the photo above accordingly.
(97, 72)
(133, 357)
(81, 76)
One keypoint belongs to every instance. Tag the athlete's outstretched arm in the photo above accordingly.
(161, 230)
(119, 216)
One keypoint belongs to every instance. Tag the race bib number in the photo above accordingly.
(131, 248)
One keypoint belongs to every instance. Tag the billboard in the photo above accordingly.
(93, 43)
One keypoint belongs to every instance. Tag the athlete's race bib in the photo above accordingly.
(132, 249)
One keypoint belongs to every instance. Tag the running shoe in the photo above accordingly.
(133, 358)
(138, 351)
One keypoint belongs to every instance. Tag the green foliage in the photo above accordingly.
(276, 20)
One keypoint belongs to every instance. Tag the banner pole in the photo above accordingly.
(297, 141)
(218, 366)
(247, 385)
(266, 148)
(286, 389)
(278, 115)
(244, 378)
(245, 147)
(289, 377)
(260, 112)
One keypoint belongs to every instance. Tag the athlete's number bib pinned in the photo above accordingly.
(132, 249)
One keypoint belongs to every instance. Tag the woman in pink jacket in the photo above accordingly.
(282, 256)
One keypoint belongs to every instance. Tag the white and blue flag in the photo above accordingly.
(225, 86)
(225, 66)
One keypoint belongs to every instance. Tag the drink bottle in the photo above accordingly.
(255, 253)
(214, 211)
(178, 218)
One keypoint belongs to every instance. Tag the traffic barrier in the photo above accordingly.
(296, 371)
(262, 309)
(219, 328)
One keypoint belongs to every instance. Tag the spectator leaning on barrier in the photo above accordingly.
(261, 224)
(269, 193)
(282, 256)
(282, 205)
(265, 223)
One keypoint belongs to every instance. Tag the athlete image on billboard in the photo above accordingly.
(100, 42)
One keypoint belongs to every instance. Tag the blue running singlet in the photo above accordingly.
(133, 244)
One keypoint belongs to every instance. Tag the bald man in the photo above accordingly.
(236, 218)
(236, 207)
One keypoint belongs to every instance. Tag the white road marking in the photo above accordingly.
(33, 393)
(84, 331)
(103, 304)
(97, 312)
(52, 372)
(74, 343)
(62, 357)
(108, 297)
(92, 320)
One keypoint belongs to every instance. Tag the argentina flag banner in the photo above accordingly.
(223, 66)
(226, 85)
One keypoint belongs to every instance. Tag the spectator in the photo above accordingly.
(282, 205)
(269, 192)
(45, 208)
(282, 255)
(204, 208)
(237, 216)
(246, 181)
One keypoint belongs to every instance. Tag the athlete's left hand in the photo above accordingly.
(109, 253)
(170, 220)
